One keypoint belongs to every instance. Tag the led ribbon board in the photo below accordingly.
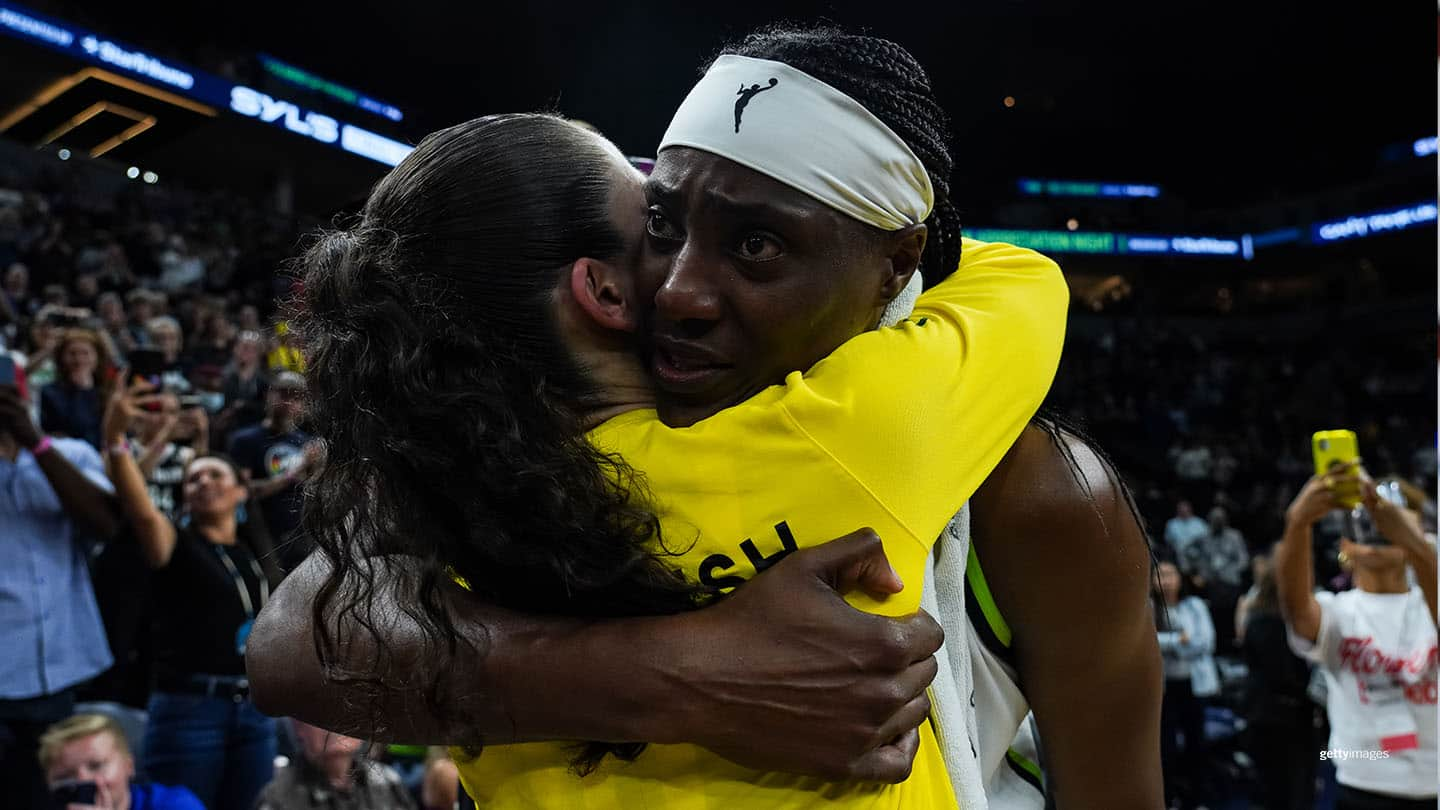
(1356, 227)
(1106, 243)
(309, 81)
(88, 46)
(1073, 188)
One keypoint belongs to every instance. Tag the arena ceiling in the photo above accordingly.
(1223, 102)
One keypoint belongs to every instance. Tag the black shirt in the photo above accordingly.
(166, 480)
(1279, 680)
(72, 411)
(198, 609)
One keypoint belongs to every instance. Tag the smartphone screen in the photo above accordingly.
(67, 793)
(147, 363)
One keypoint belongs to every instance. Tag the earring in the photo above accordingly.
(240, 514)
(1344, 560)
(184, 521)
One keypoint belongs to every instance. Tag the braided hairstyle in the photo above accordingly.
(886, 80)
(452, 411)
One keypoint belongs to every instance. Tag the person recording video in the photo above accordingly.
(213, 573)
(1375, 644)
(88, 764)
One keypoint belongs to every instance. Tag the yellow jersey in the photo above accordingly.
(894, 430)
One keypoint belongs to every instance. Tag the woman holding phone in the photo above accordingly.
(213, 573)
(1375, 644)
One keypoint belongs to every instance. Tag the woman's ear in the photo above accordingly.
(604, 293)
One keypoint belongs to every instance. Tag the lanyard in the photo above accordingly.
(240, 581)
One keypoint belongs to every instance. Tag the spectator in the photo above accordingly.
(53, 495)
(1187, 648)
(1184, 529)
(1260, 566)
(163, 333)
(168, 439)
(1228, 555)
(1226, 466)
(246, 383)
(210, 584)
(332, 772)
(179, 266)
(17, 288)
(1281, 718)
(286, 354)
(92, 748)
(1217, 563)
(279, 456)
(110, 308)
(51, 255)
(1193, 461)
(249, 319)
(55, 295)
(40, 367)
(71, 406)
(142, 307)
(1375, 644)
(213, 337)
(86, 291)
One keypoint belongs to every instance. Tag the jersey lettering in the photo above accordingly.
(759, 561)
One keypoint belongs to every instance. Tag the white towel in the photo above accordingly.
(944, 598)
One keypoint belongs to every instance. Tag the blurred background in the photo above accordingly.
(1242, 196)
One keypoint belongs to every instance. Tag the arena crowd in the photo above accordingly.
(182, 289)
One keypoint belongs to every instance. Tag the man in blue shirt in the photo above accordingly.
(53, 498)
(91, 749)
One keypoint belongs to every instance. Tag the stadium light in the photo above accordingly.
(132, 172)
(151, 177)
(64, 154)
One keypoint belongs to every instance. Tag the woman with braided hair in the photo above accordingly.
(455, 373)
(1052, 523)
(768, 262)
(887, 80)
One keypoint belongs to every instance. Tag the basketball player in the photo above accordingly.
(1051, 522)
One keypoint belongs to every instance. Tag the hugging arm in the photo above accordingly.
(781, 675)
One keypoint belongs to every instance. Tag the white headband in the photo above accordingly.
(801, 131)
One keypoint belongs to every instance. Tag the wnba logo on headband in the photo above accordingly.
(819, 141)
(745, 95)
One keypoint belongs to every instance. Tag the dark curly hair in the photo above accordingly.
(452, 412)
(886, 80)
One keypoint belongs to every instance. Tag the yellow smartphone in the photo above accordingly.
(1330, 447)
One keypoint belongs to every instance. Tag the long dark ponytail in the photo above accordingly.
(452, 412)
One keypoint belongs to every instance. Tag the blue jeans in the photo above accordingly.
(222, 750)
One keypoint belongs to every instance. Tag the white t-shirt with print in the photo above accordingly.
(1378, 653)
